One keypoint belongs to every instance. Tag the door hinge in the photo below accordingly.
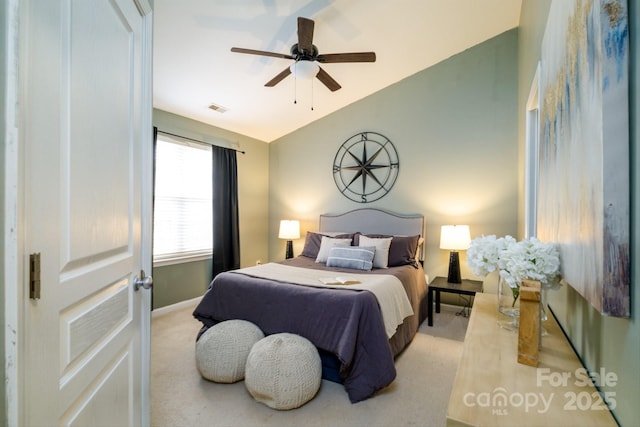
(34, 276)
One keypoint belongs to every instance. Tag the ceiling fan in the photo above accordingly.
(305, 50)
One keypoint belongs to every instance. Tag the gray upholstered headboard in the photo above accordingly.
(369, 220)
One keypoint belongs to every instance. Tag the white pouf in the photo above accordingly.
(222, 351)
(283, 371)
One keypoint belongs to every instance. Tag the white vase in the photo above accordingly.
(544, 303)
(508, 305)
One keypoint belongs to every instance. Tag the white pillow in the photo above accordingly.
(327, 243)
(381, 258)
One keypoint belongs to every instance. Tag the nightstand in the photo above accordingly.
(440, 284)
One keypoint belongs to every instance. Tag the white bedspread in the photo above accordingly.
(392, 298)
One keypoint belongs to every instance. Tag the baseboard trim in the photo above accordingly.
(174, 307)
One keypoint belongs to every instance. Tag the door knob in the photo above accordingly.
(142, 281)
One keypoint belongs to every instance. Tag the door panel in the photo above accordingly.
(101, 89)
(106, 387)
(84, 160)
(87, 324)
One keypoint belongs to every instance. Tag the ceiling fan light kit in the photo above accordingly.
(307, 58)
(304, 70)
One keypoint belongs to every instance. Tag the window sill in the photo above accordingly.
(181, 260)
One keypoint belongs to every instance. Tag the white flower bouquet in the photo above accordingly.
(516, 261)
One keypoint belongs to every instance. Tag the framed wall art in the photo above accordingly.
(584, 180)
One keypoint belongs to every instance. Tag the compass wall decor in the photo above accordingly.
(366, 167)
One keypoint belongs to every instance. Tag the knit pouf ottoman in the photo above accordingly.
(283, 371)
(222, 351)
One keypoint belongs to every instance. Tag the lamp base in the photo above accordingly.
(289, 253)
(454, 268)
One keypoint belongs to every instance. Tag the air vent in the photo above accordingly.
(218, 108)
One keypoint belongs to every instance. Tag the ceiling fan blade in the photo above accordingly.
(305, 35)
(327, 80)
(277, 79)
(347, 57)
(260, 52)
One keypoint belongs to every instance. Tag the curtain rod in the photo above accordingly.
(196, 140)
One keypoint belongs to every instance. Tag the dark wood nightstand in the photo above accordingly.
(440, 284)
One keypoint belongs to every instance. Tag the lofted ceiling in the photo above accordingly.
(194, 66)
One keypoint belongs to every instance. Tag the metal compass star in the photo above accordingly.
(376, 172)
(365, 167)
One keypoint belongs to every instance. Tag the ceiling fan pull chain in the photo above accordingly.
(312, 94)
(295, 85)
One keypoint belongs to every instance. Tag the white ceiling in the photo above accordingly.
(194, 67)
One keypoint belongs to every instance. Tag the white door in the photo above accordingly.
(86, 132)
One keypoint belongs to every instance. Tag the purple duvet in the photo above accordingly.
(346, 323)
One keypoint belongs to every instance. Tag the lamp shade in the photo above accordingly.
(289, 229)
(304, 69)
(455, 237)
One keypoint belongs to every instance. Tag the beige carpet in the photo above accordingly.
(418, 397)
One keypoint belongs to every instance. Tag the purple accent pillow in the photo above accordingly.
(313, 240)
(403, 250)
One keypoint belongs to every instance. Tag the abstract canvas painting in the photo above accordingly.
(584, 185)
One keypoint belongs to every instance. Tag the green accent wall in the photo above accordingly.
(180, 282)
(454, 126)
(608, 343)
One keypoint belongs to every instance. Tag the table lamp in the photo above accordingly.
(454, 238)
(289, 230)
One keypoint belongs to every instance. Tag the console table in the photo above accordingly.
(492, 389)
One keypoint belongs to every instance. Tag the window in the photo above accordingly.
(182, 209)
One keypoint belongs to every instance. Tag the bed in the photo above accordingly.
(359, 327)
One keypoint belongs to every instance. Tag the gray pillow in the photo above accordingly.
(354, 257)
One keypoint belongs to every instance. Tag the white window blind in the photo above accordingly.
(182, 208)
